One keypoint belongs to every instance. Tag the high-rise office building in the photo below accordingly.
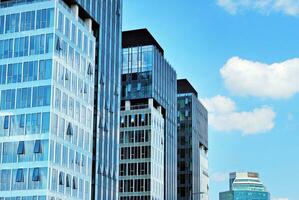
(59, 113)
(245, 186)
(148, 120)
(192, 144)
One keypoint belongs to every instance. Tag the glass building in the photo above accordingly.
(148, 100)
(192, 118)
(245, 186)
(59, 92)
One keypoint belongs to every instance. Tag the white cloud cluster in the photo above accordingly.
(289, 7)
(223, 116)
(245, 77)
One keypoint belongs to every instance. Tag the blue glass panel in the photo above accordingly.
(1, 24)
(2, 74)
(21, 148)
(45, 122)
(20, 175)
(45, 69)
(36, 175)
(30, 71)
(6, 122)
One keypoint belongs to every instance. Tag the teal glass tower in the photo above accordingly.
(59, 99)
(245, 186)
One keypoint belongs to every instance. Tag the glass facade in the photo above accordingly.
(141, 153)
(108, 13)
(52, 62)
(47, 102)
(245, 186)
(193, 178)
(146, 74)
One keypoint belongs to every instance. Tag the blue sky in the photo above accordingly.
(243, 58)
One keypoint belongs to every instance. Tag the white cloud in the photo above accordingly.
(289, 7)
(224, 117)
(280, 199)
(245, 77)
(219, 176)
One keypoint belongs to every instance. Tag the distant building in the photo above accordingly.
(245, 186)
(148, 120)
(192, 131)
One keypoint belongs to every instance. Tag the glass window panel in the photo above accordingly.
(79, 42)
(3, 74)
(60, 22)
(45, 122)
(41, 96)
(45, 69)
(12, 23)
(74, 33)
(30, 71)
(24, 98)
(27, 20)
(67, 27)
(49, 43)
(1, 24)
(20, 175)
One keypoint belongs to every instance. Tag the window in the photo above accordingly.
(8, 99)
(36, 175)
(2, 24)
(24, 98)
(5, 179)
(14, 73)
(74, 33)
(45, 122)
(71, 56)
(89, 69)
(21, 47)
(20, 175)
(12, 23)
(60, 22)
(75, 184)
(69, 130)
(85, 47)
(2, 74)
(91, 49)
(61, 178)
(138, 86)
(68, 181)
(30, 71)
(45, 69)
(37, 146)
(49, 43)
(27, 21)
(79, 39)
(21, 121)
(37, 44)
(6, 122)
(41, 96)
(67, 27)
(44, 18)
(58, 45)
(6, 48)
(129, 88)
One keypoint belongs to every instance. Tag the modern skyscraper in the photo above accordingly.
(245, 186)
(60, 85)
(192, 144)
(148, 120)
